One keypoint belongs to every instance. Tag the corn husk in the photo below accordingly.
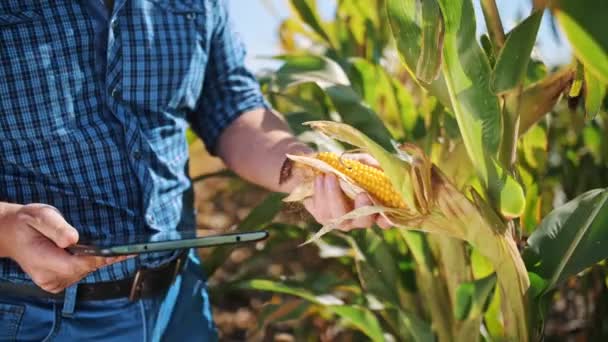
(434, 205)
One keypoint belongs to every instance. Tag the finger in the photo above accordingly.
(88, 264)
(362, 200)
(320, 210)
(336, 200)
(51, 268)
(79, 267)
(309, 204)
(383, 223)
(48, 221)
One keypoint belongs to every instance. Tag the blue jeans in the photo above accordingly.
(183, 314)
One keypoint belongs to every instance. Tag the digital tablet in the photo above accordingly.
(159, 242)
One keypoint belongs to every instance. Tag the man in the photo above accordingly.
(95, 98)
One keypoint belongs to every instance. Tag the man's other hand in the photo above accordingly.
(35, 236)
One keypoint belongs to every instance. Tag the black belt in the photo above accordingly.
(147, 282)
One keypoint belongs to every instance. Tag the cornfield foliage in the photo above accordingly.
(502, 163)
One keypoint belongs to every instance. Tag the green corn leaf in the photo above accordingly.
(593, 139)
(571, 238)
(376, 87)
(356, 316)
(537, 70)
(307, 11)
(467, 73)
(277, 287)
(378, 271)
(494, 319)
(480, 265)
(452, 261)
(289, 29)
(303, 69)
(412, 119)
(379, 276)
(539, 304)
(472, 297)
(577, 83)
(356, 113)
(512, 63)
(296, 119)
(429, 284)
(405, 19)
(487, 47)
(451, 257)
(534, 146)
(584, 23)
(419, 247)
(361, 318)
(429, 61)
(359, 13)
(595, 92)
(263, 213)
(420, 330)
(538, 285)
(529, 219)
(330, 77)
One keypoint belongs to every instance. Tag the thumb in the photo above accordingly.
(48, 221)
(90, 263)
(383, 223)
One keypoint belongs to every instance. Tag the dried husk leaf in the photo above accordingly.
(353, 214)
(495, 244)
(300, 192)
(320, 165)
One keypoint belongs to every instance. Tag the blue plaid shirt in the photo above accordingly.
(94, 105)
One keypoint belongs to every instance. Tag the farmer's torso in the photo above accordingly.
(93, 110)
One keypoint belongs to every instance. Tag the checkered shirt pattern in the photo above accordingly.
(101, 137)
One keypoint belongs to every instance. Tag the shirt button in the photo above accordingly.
(114, 23)
(137, 154)
(115, 93)
(190, 16)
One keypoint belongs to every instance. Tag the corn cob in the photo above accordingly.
(371, 179)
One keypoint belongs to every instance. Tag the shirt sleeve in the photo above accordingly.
(229, 88)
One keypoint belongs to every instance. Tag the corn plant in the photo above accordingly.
(458, 126)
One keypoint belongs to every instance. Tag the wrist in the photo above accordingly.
(297, 147)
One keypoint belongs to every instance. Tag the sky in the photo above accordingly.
(257, 22)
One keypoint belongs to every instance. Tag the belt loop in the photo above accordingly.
(69, 301)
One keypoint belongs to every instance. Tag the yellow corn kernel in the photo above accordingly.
(371, 179)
